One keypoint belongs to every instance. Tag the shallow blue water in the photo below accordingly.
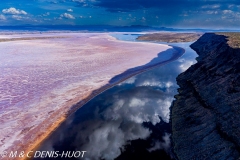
(126, 37)
(128, 121)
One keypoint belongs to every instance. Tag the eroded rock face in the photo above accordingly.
(205, 116)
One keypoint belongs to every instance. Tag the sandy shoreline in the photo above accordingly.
(78, 88)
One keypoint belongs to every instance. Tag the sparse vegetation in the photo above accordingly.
(26, 38)
(170, 37)
(233, 38)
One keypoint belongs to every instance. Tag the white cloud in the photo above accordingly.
(128, 81)
(2, 17)
(67, 15)
(12, 10)
(230, 15)
(185, 64)
(17, 17)
(105, 140)
(46, 14)
(227, 11)
(162, 145)
(212, 12)
(136, 102)
(121, 122)
(215, 6)
(69, 10)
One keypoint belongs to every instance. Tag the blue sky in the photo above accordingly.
(167, 13)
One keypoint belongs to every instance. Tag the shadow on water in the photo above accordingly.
(161, 59)
(127, 121)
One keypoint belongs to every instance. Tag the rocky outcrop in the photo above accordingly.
(205, 116)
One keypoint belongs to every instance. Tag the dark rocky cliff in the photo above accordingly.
(205, 116)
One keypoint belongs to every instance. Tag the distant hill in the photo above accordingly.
(95, 28)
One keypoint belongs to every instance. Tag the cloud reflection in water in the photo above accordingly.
(110, 124)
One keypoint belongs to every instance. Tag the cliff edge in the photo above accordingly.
(205, 116)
